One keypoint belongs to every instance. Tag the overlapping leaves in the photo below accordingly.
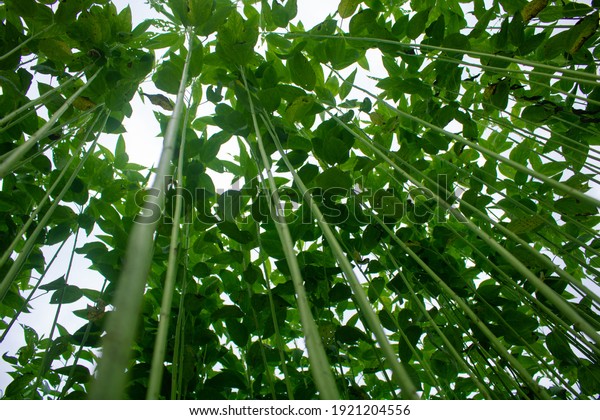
(391, 186)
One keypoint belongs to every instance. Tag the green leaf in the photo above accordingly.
(333, 181)
(237, 331)
(197, 60)
(229, 258)
(347, 85)
(280, 14)
(444, 367)
(388, 205)
(271, 244)
(387, 321)
(413, 333)
(58, 234)
(210, 149)
(516, 30)
(370, 239)
(66, 294)
(301, 71)
(536, 113)
(18, 385)
(414, 375)
(340, 292)
(222, 11)
(227, 311)
(526, 224)
(168, 76)
(25, 8)
(300, 108)
(349, 335)
(573, 207)
(200, 11)
(523, 326)
(77, 373)
(236, 39)
(166, 40)
(513, 6)
(416, 25)
(230, 205)
(397, 86)
(589, 379)
(227, 379)
(230, 120)
(232, 231)
(559, 347)
(375, 289)
(332, 150)
(121, 157)
(180, 10)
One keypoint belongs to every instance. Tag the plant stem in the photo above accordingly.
(493, 339)
(39, 100)
(591, 78)
(122, 325)
(548, 292)
(30, 296)
(160, 345)
(22, 44)
(11, 248)
(521, 168)
(46, 364)
(31, 240)
(320, 369)
(17, 154)
(408, 388)
(278, 339)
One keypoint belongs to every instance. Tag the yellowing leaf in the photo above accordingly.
(83, 104)
(526, 224)
(55, 49)
(377, 118)
(347, 8)
(585, 28)
(161, 101)
(532, 9)
(299, 108)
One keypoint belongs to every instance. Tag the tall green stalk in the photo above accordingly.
(548, 292)
(39, 100)
(320, 368)
(521, 168)
(29, 297)
(535, 387)
(177, 365)
(13, 245)
(121, 326)
(15, 268)
(408, 388)
(46, 362)
(160, 344)
(27, 41)
(581, 76)
(17, 154)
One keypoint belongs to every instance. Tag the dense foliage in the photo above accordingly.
(415, 216)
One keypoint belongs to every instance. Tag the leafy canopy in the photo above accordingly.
(414, 193)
